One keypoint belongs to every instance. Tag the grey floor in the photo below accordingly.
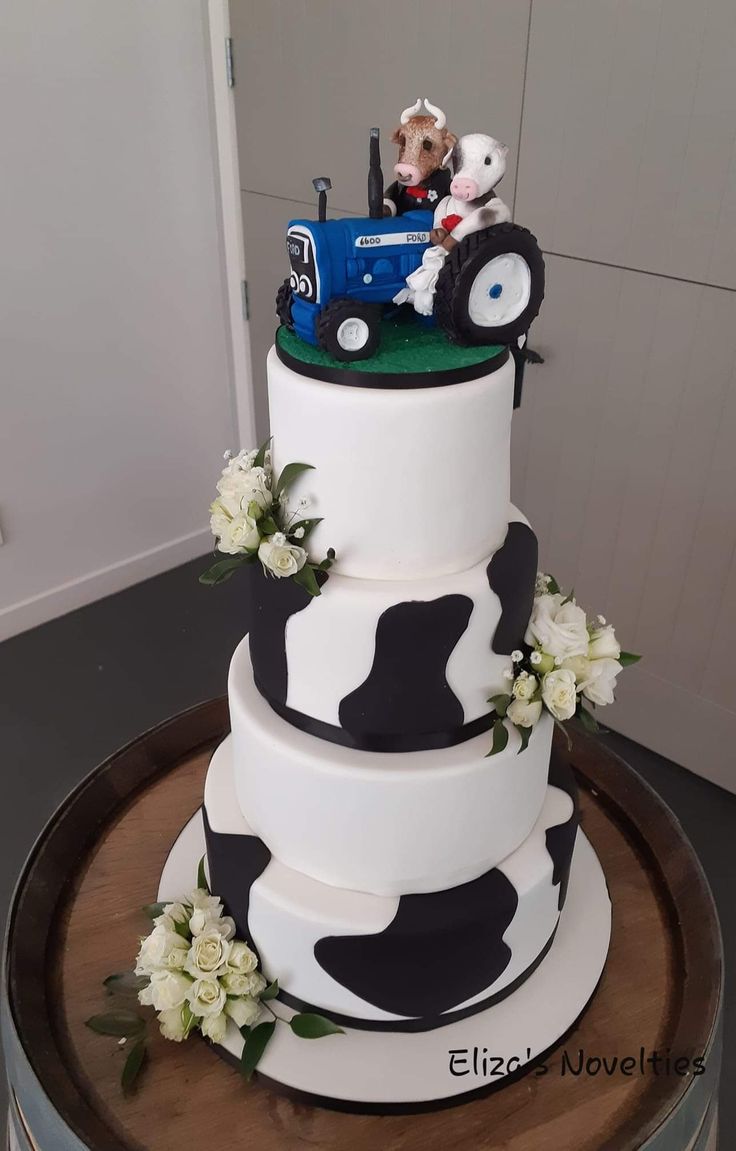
(74, 690)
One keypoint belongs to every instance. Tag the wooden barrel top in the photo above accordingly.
(100, 860)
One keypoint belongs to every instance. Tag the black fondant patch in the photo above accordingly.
(272, 603)
(235, 863)
(512, 574)
(440, 949)
(560, 840)
(406, 690)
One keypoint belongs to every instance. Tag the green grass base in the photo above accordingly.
(407, 347)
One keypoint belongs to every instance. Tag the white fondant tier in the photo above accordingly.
(381, 822)
(395, 665)
(490, 932)
(411, 483)
(379, 1071)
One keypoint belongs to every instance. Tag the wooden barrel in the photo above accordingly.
(76, 918)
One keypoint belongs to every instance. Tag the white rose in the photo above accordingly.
(206, 997)
(524, 714)
(214, 1027)
(163, 948)
(203, 919)
(232, 495)
(525, 685)
(558, 692)
(242, 959)
(167, 989)
(579, 665)
(559, 628)
(602, 681)
(235, 535)
(208, 954)
(259, 488)
(281, 559)
(172, 1024)
(201, 899)
(243, 1011)
(603, 644)
(177, 911)
(235, 983)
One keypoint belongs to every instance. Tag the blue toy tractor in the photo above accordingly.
(344, 273)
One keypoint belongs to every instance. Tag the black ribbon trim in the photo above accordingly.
(426, 1023)
(378, 741)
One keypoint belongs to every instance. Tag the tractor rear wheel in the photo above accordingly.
(491, 286)
(349, 329)
(284, 297)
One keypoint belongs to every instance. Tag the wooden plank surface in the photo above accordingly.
(660, 990)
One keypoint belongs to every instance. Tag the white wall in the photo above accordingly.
(116, 398)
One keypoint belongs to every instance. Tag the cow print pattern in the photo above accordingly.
(512, 575)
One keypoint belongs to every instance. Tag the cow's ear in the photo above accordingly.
(450, 142)
(396, 136)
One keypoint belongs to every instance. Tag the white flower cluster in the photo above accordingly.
(198, 974)
(566, 662)
(240, 517)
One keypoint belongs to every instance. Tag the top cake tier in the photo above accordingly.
(410, 481)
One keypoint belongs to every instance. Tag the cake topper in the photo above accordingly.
(462, 263)
(424, 143)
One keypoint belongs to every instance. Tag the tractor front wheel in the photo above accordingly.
(349, 329)
(284, 298)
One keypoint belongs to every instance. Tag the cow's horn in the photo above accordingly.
(439, 115)
(407, 114)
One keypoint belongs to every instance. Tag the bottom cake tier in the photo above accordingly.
(377, 1071)
(393, 963)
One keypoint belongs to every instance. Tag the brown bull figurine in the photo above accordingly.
(425, 145)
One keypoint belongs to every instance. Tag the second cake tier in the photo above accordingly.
(393, 665)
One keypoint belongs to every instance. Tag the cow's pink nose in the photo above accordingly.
(408, 174)
(463, 188)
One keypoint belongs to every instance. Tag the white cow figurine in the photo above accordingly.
(478, 163)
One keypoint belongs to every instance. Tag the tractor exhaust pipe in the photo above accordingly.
(375, 177)
(322, 184)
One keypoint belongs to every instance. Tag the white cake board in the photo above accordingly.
(372, 1071)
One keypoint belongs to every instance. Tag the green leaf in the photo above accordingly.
(255, 1044)
(626, 658)
(308, 525)
(310, 1026)
(188, 1018)
(132, 1066)
(260, 459)
(500, 737)
(223, 569)
(202, 883)
(589, 722)
(553, 587)
(570, 597)
(566, 733)
(307, 579)
(268, 526)
(124, 981)
(153, 910)
(500, 703)
(524, 736)
(123, 1024)
(290, 473)
(271, 991)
